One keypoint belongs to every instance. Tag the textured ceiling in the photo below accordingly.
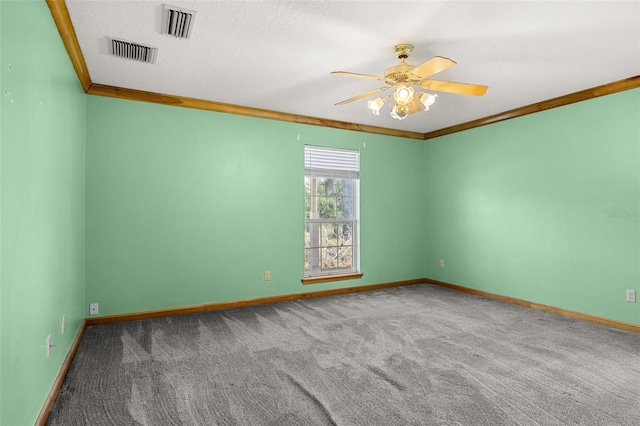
(277, 55)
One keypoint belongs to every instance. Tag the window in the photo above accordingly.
(331, 205)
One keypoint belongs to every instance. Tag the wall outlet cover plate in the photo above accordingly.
(93, 309)
(631, 296)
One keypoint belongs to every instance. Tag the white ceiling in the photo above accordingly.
(277, 55)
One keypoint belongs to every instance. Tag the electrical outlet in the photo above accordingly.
(631, 296)
(93, 309)
(63, 324)
(267, 275)
(441, 263)
(49, 345)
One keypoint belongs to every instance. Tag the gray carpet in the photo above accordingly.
(415, 355)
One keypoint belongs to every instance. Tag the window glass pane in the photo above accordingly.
(327, 207)
(345, 257)
(307, 206)
(347, 206)
(307, 236)
(312, 234)
(312, 260)
(329, 258)
(328, 234)
(345, 236)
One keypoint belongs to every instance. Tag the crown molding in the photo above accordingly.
(62, 19)
(583, 95)
(180, 101)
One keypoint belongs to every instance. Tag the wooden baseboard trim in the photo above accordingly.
(242, 303)
(621, 325)
(57, 384)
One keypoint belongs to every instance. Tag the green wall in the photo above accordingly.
(544, 207)
(42, 198)
(187, 207)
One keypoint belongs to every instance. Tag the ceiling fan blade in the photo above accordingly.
(353, 74)
(364, 95)
(431, 67)
(452, 87)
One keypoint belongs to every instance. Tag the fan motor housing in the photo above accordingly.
(398, 73)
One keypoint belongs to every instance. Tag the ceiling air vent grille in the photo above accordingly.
(134, 51)
(177, 22)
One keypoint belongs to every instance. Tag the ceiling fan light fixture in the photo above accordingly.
(402, 77)
(427, 99)
(375, 105)
(403, 94)
(399, 112)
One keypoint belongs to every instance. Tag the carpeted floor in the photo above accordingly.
(414, 355)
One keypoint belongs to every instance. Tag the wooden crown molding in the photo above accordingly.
(583, 95)
(65, 28)
(158, 98)
(63, 22)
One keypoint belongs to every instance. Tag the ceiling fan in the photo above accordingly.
(403, 77)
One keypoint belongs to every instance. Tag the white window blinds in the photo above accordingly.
(331, 162)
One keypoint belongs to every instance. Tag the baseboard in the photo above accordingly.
(57, 384)
(333, 292)
(241, 303)
(539, 306)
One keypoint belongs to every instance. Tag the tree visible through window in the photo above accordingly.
(331, 185)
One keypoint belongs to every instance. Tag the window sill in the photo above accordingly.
(317, 279)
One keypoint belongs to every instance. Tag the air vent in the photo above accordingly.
(134, 51)
(177, 22)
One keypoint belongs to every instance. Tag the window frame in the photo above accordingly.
(323, 163)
